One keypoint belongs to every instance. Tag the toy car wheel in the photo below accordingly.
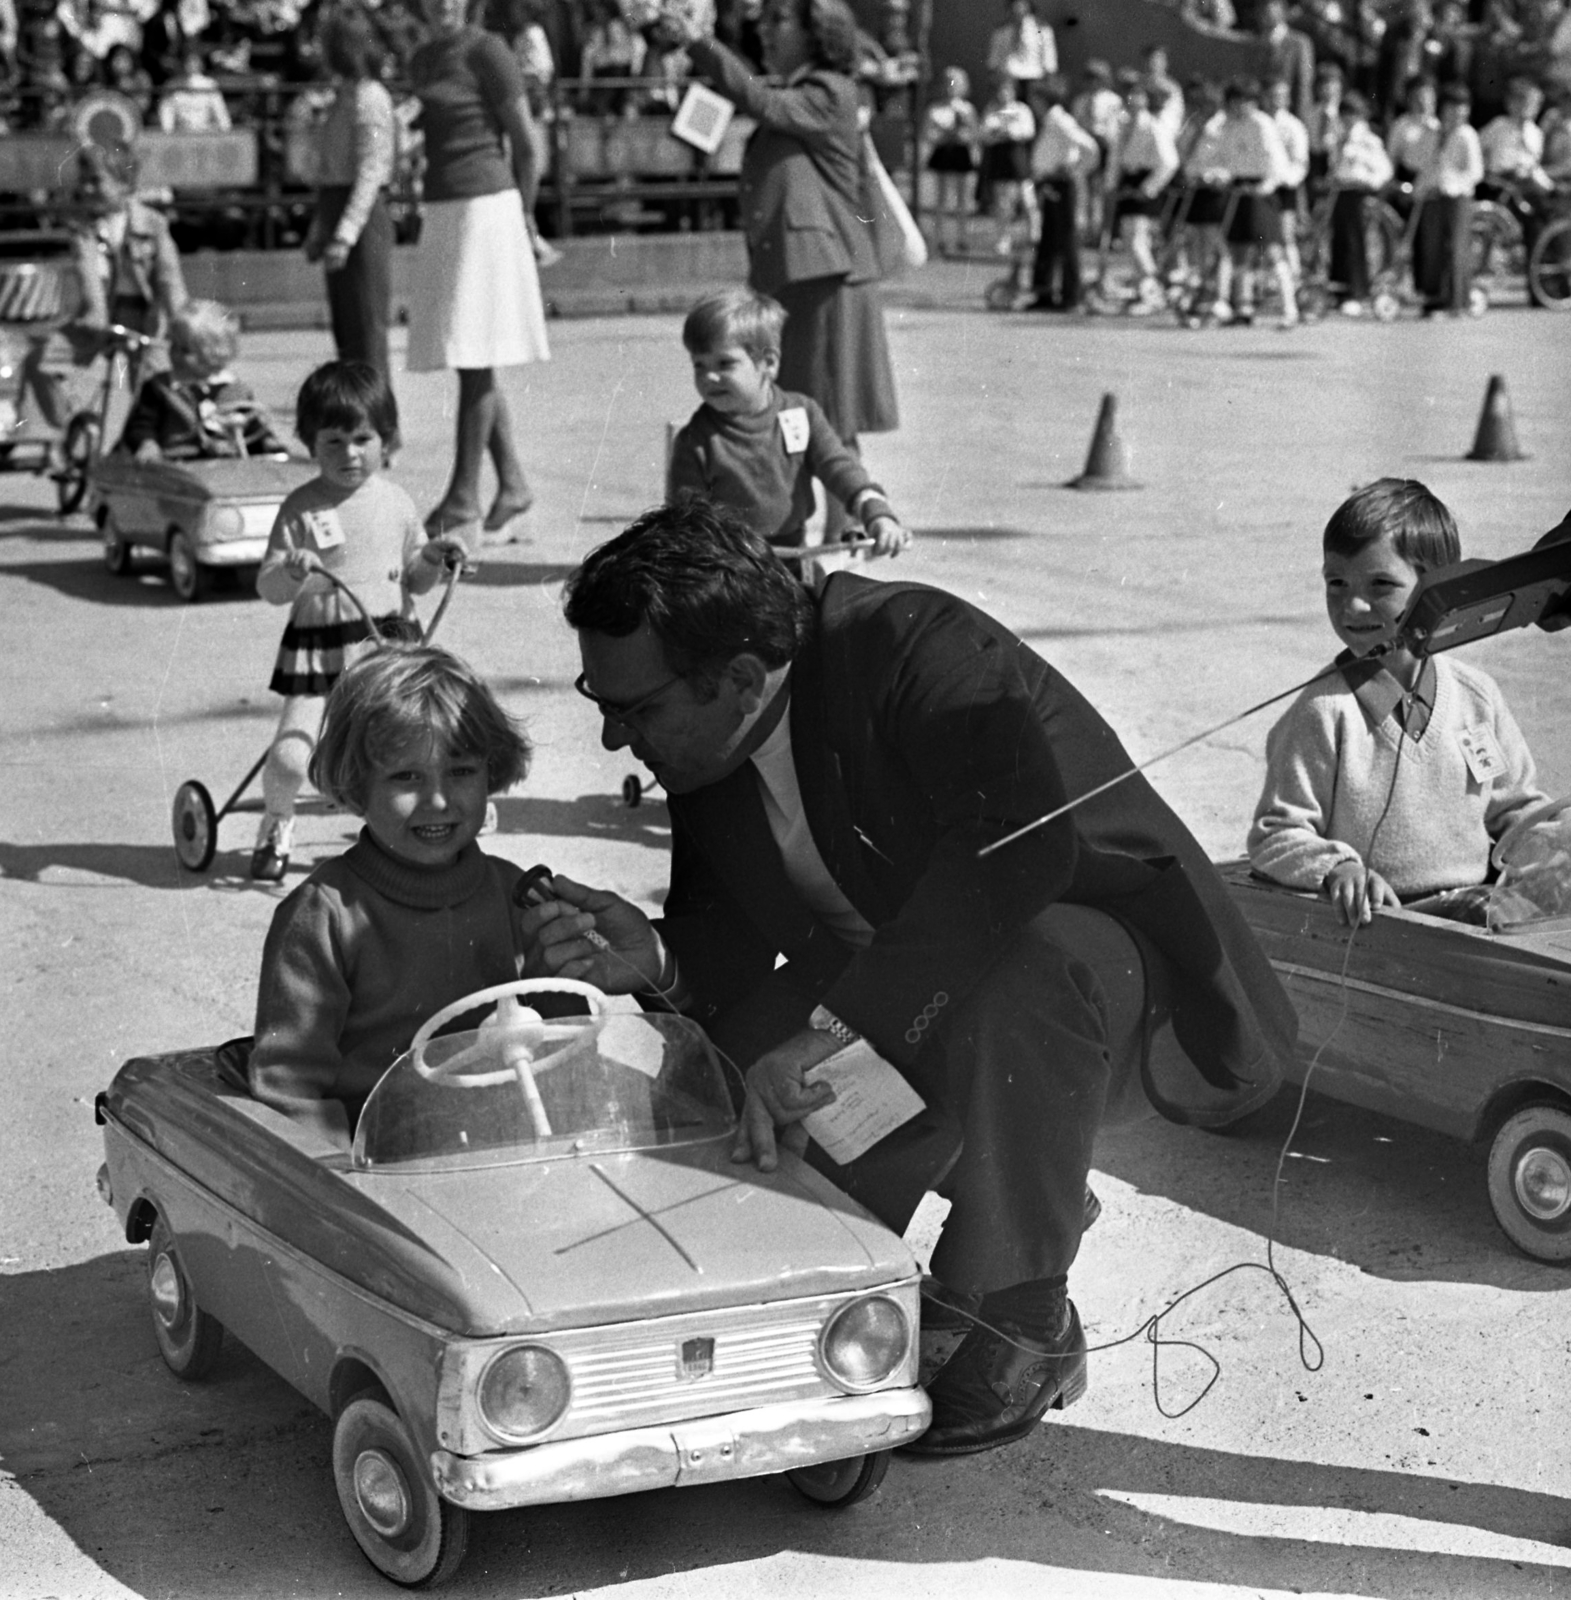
(1530, 1181)
(187, 576)
(195, 825)
(117, 553)
(189, 1339)
(632, 789)
(838, 1484)
(406, 1530)
(78, 449)
(1000, 295)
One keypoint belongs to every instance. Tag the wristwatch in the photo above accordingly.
(823, 1020)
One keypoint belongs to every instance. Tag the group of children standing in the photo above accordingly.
(1234, 174)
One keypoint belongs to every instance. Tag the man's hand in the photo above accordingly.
(890, 536)
(335, 255)
(149, 450)
(1358, 893)
(625, 957)
(778, 1098)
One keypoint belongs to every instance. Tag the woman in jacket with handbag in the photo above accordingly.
(804, 200)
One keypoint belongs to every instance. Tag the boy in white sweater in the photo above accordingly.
(1388, 779)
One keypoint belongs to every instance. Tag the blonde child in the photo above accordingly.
(951, 131)
(414, 915)
(199, 408)
(1008, 131)
(353, 523)
(756, 448)
(1389, 779)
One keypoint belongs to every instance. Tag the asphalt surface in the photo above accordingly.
(1426, 1452)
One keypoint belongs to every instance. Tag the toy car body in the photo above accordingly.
(203, 516)
(1447, 1025)
(522, 1286)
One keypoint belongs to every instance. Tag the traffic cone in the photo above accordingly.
(1107, 464)
(1496, 436)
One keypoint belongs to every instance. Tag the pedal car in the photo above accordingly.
(535, 1277)
(203, 517)
(1447, 1025)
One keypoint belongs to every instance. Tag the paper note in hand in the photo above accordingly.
(871, 1101)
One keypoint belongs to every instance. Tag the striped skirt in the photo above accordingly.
(312, 655)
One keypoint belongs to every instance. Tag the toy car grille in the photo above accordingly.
(693, 1368)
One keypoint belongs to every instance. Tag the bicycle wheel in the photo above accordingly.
(1496, 244)
(1549, 272)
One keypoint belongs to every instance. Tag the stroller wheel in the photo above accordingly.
(632, 790)
(195, 826)
(78, 450)
(1385, 306)
(1000, 295)
(1477, 300)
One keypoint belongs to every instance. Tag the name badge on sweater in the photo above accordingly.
(323, 528)
(1482, 754)
(794, 429)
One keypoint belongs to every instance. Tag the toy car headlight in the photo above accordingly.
(523, 1392)
(864, 1342)
(227, 522)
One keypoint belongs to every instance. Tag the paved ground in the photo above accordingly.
(1425, 1457)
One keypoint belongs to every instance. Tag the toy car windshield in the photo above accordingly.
(517, 1087)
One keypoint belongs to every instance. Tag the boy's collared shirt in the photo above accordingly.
(1380, 693)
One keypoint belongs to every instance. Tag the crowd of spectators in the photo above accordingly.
(201, 64)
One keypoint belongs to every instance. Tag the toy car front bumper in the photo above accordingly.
(740, 1444)
(237, 552)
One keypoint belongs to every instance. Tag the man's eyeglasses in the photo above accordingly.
(626, 715)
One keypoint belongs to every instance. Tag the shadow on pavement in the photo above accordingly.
(151, 866)
(496, 572)
(148, 585)
(590, 816)
(224, 1489)
(1392, 1198)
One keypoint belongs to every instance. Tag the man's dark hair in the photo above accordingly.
(347, 395)
(709, 588)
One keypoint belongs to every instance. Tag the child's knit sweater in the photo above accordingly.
(1333, 765)
(358, 957)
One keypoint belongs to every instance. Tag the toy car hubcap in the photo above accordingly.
(381, 1492)
(1543, 1185)
(165, 1283)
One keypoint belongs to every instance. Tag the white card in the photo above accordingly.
(702, 118)
(794, 429)
(1481, 751)
(325, 530)
(871, 1101)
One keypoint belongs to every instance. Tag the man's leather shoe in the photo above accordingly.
(994, 1390)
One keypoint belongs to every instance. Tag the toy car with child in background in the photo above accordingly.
(198, 473)
(536, 1275)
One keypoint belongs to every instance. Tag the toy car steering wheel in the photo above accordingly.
(514, 1042)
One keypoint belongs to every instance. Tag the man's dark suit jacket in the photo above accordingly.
(922, 730)
(802, 186)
